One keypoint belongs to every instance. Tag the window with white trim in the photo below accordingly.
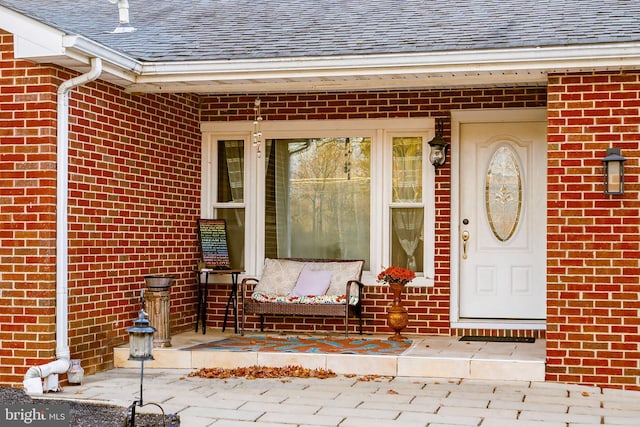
(348, 189)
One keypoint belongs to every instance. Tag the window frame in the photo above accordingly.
(381, 132)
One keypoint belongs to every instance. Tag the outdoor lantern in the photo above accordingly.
(141, 337)
(140, 347)
(613, 172)
(438, 145)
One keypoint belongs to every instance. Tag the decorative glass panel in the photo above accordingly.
(503, 193)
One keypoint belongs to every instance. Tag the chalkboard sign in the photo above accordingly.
(213, 243)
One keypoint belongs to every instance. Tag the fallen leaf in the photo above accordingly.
(256, 372)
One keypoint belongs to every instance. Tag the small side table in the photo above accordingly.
(203, 291)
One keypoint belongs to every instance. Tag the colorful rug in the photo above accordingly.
(322, 345)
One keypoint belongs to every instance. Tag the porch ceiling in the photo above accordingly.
(372, 81)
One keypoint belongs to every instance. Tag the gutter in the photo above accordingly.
(33, 378)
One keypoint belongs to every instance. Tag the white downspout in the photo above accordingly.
(33, 378)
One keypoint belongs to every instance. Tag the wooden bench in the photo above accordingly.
(304, 287)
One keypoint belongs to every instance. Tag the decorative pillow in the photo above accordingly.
(279, 276)
(311, 283)
(342, 273)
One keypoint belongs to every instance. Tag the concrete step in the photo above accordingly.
(429, 356)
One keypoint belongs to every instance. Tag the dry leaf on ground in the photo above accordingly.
(255, 372)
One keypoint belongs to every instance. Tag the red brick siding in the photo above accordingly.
(593, 239)
(134, 198)
(428, 308)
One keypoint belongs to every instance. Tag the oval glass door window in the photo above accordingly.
(503, 193)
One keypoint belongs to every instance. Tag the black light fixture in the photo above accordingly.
(438, 145)
(613, 172)
(141, 336)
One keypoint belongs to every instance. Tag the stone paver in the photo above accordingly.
(356, 402)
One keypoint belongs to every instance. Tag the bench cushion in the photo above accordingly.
(280, 276)
(319, 299)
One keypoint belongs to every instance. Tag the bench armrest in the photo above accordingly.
(246, 285)
(358, 289)
(246, 282)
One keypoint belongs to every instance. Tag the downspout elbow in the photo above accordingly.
(33, 378)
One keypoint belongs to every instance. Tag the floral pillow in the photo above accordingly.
(311, 283)
(279, 276)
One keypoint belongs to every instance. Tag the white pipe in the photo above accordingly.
(123, 12)
(123, 16)
(32, 379)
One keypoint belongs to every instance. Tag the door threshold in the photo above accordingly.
(537, 325)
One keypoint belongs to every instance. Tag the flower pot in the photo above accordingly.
(397, 316)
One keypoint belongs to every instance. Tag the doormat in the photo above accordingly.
(320, 345)
(497, 339)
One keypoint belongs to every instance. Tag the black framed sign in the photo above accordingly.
(212, 234)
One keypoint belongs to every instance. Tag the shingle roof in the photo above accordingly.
(184, 30)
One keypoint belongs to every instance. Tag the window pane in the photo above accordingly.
(407, 238)
(407, 169)
(235, 234)
(230, 171)
(318, 198)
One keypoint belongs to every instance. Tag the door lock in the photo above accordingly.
(465, 237)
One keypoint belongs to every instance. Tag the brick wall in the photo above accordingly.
(134, 198)
(428, 309)
(593, 239)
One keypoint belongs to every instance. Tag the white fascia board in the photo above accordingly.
(31, 38)
(114, 62)
(36, 41)
(599, 56)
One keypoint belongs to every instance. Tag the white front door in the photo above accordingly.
(501, 227)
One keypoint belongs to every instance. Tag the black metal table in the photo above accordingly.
(203, 291)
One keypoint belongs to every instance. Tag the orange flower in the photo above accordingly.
(395, 274)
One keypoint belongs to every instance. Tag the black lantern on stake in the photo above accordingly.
(141, 336)
(613, 172)
(140, 348)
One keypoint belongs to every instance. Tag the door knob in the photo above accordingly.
(465, 238)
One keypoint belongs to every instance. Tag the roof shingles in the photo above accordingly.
(179, 30)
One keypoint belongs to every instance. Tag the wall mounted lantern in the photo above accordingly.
(613, 172)
(438, 145)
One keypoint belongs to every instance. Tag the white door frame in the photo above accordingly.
(457, 119)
